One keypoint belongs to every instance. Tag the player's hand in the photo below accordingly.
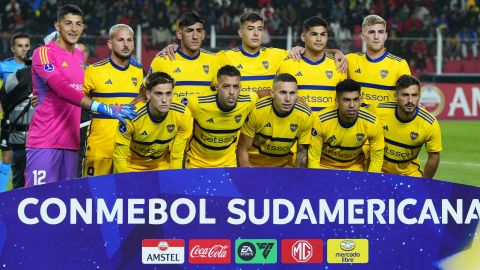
(341, 61)
(119, 112)
(34, 101)
(296, 53)
(302, 101)
(169, 51)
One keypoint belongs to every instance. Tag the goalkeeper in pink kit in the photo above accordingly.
(53, 138)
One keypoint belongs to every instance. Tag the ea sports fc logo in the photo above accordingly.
(432, 99)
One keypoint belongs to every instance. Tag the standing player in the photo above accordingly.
(217, 122)
(193, 68)
(407, 127)
(339, 134)
(57, 76)
(115, 80)
(274, 125)
(315, 72)
(376, 70)
(20, 45)
(142, 144)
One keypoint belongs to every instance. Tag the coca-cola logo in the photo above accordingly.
(216, 251)
(209, 251)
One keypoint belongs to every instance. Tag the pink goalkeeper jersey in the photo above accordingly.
(57, 77)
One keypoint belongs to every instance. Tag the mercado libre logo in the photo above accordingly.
(432, 99)
(347, 250)
(255, 251)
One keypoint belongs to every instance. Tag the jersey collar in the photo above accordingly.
(403, 121)
(248, 54)
(117, 66)
(378, 59)
(346, 125)
(310, 62)
(220, 106)
(186, 56)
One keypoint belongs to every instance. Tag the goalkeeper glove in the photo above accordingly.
(119, 112)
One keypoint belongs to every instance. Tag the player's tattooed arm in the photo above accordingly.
(302, 156)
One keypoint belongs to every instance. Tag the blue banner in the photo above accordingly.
(242, 218)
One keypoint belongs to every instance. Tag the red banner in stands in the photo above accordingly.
(452, 101)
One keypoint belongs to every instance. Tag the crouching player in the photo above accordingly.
(407, 127)
(340, 132)
(143, 143)
(274, 125)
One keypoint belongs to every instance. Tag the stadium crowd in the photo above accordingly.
(415, 20)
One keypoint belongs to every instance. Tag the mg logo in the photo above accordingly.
(302, 251)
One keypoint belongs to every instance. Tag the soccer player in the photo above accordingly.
(115, 80)
(57, 76)
(407, 127)
(377, 70)
(340, 131)
(142, 144)
(316, 71)
(217, 122)
(193, 68)
(275, 124)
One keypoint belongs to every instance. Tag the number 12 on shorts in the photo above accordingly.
(39, 177)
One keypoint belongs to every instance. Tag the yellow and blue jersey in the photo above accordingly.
(404, 140)
(216, 130)
(257, 70)
(274, 134)
(148, 140)
(110, 84)
(377, 76)
(317, 81)
(338, 145)
(193, 75)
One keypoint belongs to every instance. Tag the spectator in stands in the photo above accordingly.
(469, 38)
(161, 30)
(452, 48)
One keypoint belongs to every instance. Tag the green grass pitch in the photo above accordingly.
(460, 158)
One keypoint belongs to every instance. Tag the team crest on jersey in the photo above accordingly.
(329, 74)
(206, 68)
(265, 64)
(134, 81)
(360, 136)
(170, 128)
(238, 117)
(122, 128)
(48, 67)
(293, 127)
(314, 132)
(413, 135)
(383, 73)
